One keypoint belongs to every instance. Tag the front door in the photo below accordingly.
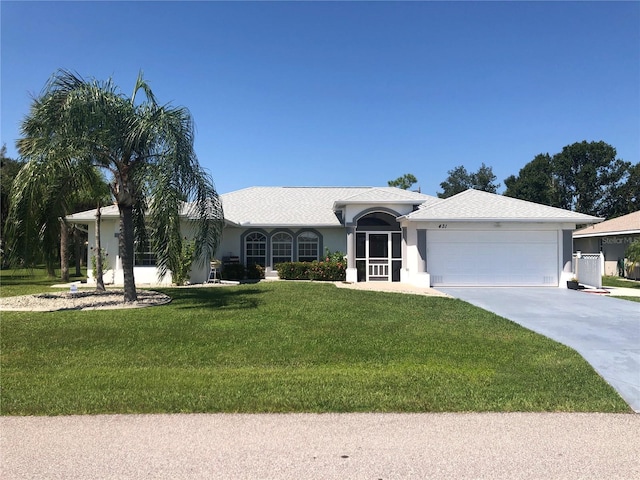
(379, 256)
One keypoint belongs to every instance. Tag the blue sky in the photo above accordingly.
(349, 93)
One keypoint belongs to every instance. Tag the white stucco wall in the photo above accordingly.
(411, 272)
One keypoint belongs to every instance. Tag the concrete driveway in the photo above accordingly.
(605, 331)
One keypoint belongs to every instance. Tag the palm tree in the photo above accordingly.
(147, 153)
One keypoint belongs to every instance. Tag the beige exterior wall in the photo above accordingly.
(612, 246)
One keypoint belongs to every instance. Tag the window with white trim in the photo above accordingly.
(144, 257)
(255, 245)
(308, 247)
(281, 248)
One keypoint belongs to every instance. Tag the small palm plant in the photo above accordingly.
(633, 257)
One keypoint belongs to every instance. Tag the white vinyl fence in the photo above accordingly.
(587, 268)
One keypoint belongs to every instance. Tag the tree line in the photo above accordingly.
(585, 177)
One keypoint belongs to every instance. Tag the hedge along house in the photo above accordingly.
(612, 239)
(388, 234)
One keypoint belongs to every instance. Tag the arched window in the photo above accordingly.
(378, 220)
(281, 248)
(308, 247)
(255, 245)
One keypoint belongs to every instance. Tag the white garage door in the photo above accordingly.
(492, 258)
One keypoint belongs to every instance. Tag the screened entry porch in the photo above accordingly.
(378, 251)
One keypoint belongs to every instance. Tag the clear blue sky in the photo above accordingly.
(349, 93)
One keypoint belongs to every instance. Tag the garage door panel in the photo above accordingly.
(492, 258)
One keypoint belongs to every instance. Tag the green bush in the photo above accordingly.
(181, 271)
(235, 271)
(255, 272)
(633, 257)
(328, 271)
(293, 270)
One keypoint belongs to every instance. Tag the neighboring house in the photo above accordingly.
(611, 238)
(388, 235)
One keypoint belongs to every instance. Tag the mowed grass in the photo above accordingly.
(289, 347)
(24, 281)
(609, 281)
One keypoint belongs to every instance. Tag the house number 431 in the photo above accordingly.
(442, 225)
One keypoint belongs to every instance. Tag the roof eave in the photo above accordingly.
(605, 234)
(287, 225)
(502, 219)
(343, 203)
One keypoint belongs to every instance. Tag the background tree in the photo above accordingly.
(625, 196)
(147, 151)
(460, 180)
(9, 168)
(484, 180)
(41, 197)
(585, 177)
(534, 182)
(404, 182)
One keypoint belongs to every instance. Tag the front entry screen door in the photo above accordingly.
(378, 256)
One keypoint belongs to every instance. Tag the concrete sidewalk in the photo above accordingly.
(322, 446)
(622, 291)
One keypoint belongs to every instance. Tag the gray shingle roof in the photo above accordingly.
(303, 206)
(385, 194)
(314, 206)
(474, 205)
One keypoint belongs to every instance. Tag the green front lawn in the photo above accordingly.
(608, 281)
(25, 281)
(289, 347)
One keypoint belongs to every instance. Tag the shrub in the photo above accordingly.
(234, 271)
(255, 272)
(633, 257)
(327, 271)
(293, 270)
(105, 260)
(181, 271)
(332, 269)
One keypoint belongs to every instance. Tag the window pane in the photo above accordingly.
(308, 247)
(144, 257)
(396, 245)
(281, 248)
(256, 249)
(378, 245)
(361, 241)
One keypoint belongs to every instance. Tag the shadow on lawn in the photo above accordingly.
(228, 298)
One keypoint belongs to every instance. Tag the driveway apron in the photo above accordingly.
(605, 331)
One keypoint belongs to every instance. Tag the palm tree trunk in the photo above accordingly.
(51, 269)
(99, 273)
(126, 244)
(77, 250)
(64, 251)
